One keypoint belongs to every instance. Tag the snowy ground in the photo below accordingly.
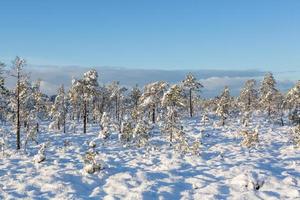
(224, 170)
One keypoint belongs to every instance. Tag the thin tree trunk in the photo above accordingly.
(85, 117)
(18, 112)
(64, 123)
(191, 104)
(117, 113)
(153, 115)
(37, 127)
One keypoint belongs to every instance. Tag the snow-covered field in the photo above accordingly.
(223, 170)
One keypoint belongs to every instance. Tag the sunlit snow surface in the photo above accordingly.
(224, 169)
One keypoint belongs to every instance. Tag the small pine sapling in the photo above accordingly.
(295, 132)
(184, 145)
(3, 139)
(126, 131)
(250, 138)
(91, 162)
(40, 156)
(223, 105)
(292, 101)
(141, 133)
(31, 131)
(204, 119)
(105, 126)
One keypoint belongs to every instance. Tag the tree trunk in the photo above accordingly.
(64, 123)
(191, 104)
(153, 115)
(85, 117)
(18, 113)
(171, 137)
(37, 127)
(117, 113)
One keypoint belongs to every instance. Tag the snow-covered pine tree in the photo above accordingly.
(250, 138)
(23, 109)
(191, 84)
(4, 93)
(92, 162)
(105, 126)
(295, 131)
(126, 131)
(292, 101)
(17, 72)
(268, 93)
(40, 156)
(29, 110)
(39, 108)
(116, 96)
(248, 100)
(59, 109)
(135, 95)
(151, 98)
(103, 101)
(173, 100)
(90, 86)
(83, 92)
(279, 107)
(75, 100)
(141, 133)
(223, 105)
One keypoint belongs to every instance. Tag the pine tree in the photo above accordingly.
(279, 107)
(173, 100)
(116, 96)
(83, 93)
(248, 99)
(295, 133)
(17, 72)
(292, 101)
(59, 109)
(151, 98)
(90, 84)
(105, 126)
(103, 101)
(268, 93)
(191, 83)
(75, 99)
(4, 93)
(135, 95)
(39, 108)
(250, 138)
(223, 105)
(141, 133)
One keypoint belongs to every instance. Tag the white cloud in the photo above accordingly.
(213, 80)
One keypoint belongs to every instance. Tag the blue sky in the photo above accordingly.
(212, 34)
